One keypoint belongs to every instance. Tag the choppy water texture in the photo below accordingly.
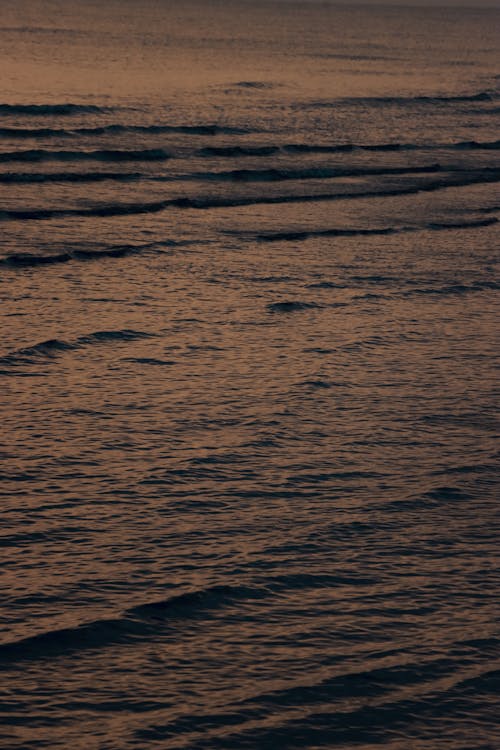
(248, 291)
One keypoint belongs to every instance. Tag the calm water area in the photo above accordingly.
(249, 444)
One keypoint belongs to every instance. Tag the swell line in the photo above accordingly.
(306, 234)
(136, 623)
(50, 109)
(341, 148)
(382, 101)
(116, 155)
(118, 209)
(30, 260)
(485, 176)
(237, 175)
(125, 209)
(320, 173)
(118, 129)
(21, 178)
(46, 350)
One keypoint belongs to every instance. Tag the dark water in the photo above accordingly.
(249, 290)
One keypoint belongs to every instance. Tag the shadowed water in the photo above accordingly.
(249, 299)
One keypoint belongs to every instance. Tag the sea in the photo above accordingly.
(248, 397)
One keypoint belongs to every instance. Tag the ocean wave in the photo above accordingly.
(46, 350)
(39, 155)
(306, 234)
(306, 148)
(125, 334)
(292, 236)
(484, 111)
(485, 209)
(20, 178)
(312, 173)
(136, 623)
(326, 285)
(352, 707)
(254, 85)
(452, 289)
(434, 498)
(117, 129)
(475, 145)
(150, 361)
(24, 260)
(31, 260)
(115, 209)
(437, 291)
(231, 151)
(340, 148)
(50, 109)
(482, 96)
(383, 101)
(443, 226)
(288, 306)
(31, 354)
(317, 384)
(204, 203)
(237, 175)
(488, 175)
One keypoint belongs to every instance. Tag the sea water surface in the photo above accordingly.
(249, 288)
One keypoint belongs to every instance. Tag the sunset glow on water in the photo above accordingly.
(249, 300)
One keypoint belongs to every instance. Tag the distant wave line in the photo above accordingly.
(204, 203)
(50, 109)
(307, 148)
(116, 209)
(234, 151)
(481, 96)
(485, 176)
(16, 178)
(298, 235)
(32, 260)
(280, 174)
(45, 350)
(115, 155)
(116, 129)
(237, 175)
